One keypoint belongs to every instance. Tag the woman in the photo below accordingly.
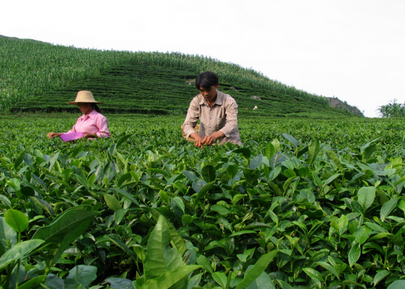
(92, 123)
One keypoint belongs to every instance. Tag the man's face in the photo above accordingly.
(209, 94)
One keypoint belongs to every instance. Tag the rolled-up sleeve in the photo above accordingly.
(193, 113)
(231, 110)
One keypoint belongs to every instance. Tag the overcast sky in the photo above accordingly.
(350, 49)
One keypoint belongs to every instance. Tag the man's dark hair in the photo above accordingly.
(206, 80)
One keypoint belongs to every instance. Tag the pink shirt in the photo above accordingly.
(94, 122)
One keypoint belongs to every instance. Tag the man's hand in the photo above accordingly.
(212, 139)
(197, 140)
(209, 140)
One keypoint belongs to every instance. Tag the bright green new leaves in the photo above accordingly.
(16, 220)
(170, 278)
(269, 151)
(164, 266)
(340, 224)
(112, 202)
(160, 257)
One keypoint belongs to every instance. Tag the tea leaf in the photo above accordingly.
(208, 173)
(292, 140)
(220, 278)
(366, 196)
(19, 251)
(16, 220)
(354, 254)
(387, 208)
(257, 269)
(379, 276)
(170, 278)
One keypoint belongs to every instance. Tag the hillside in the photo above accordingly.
(337, 103)
(40, 77)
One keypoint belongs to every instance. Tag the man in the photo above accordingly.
(217, 112)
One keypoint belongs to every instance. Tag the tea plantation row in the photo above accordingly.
(32, 69)
(302, 204)
(139, 88)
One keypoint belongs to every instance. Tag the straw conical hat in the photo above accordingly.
(84, 96)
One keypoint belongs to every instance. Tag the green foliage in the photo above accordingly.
(16, 220)
(302, 203)
(40, 77)
(393, 109)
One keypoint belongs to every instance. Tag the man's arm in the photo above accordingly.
(231, 110)
(193, 113)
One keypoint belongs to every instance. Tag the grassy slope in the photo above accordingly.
(43, 77)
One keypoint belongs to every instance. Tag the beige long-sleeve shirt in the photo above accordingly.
(222, 116)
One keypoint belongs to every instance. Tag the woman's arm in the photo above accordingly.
(102, 127)
(52, 135)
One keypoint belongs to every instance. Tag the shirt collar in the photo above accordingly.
(218, 101)
(90, 115)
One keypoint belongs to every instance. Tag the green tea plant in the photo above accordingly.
(303, 203)
(50, 74)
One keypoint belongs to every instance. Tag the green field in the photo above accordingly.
(40, 77)
(312, 199)
(307, 204)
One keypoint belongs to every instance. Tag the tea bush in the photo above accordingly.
(301, 204)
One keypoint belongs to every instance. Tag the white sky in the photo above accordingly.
(351, 49)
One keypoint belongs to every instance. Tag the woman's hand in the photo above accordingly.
(52, 135)
(90, 135)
